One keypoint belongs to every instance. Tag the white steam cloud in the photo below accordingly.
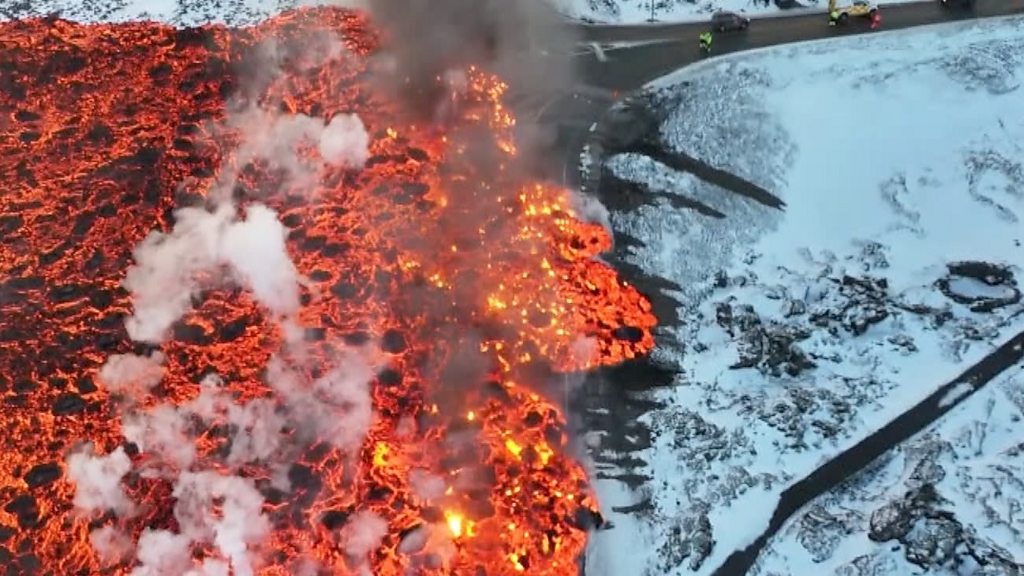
(171, 268)
(216, 507)
(98, 480)
(344, 142)
(163, 430)
(239, 524)
(112, 545)
(163, 553)
(336, 407)
(255, 250)
(131, 375)
(363, 534)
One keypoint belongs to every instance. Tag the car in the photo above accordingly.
(859, 8)
(729, 21)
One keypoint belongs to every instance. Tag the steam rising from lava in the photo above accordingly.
(353, 311)
(205, 249)
(525, 42)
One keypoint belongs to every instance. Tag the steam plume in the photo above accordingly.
(170, 268)
(98, 480)
(211, 248)
(132, 375)
(525, 42)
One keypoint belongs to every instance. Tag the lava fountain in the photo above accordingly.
(380, 408)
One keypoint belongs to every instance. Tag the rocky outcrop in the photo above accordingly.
(981, 286)
(689, 541)
(862, 303)
(931, 535)
(771, 348)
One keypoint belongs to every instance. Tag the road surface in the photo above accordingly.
(792, 25)
(668, 47)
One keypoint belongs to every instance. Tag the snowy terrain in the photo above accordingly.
(666, 11)
(176, 12)
(240, 12)
(640, 11)
(892, 267)
(949, 501)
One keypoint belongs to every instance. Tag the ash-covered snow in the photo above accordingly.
(894, 265)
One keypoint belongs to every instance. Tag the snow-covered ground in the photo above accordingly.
(672, 11)
(240, 12)
(950, 500)
(176, 12)
(893, 266)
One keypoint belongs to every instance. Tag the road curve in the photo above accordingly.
(667, 47)
(671, 46)
(899, 14)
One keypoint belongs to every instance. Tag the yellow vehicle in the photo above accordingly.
(859, 8)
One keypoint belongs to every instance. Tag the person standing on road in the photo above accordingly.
(833, 17)
(705, 42)
(876, 19)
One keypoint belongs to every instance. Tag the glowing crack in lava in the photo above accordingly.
(461, 293)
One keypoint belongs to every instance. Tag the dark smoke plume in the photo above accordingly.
(525, 42)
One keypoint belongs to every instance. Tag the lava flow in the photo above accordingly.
(474, 288)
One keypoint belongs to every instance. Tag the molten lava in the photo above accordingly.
(105, 129)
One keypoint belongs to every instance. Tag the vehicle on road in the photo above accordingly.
(723, 21)
(858, 9)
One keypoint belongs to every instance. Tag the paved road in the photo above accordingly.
(668, 47)
(798, 24)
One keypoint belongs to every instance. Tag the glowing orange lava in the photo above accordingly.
(104, 129)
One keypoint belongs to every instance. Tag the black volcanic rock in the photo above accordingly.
(981, 286)
(393, 342)
(67, 404)
(864, 303)
(770, 348)
(334, 519)
(628, 333)
(25, 509)
(690, 540)
(43, 474)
